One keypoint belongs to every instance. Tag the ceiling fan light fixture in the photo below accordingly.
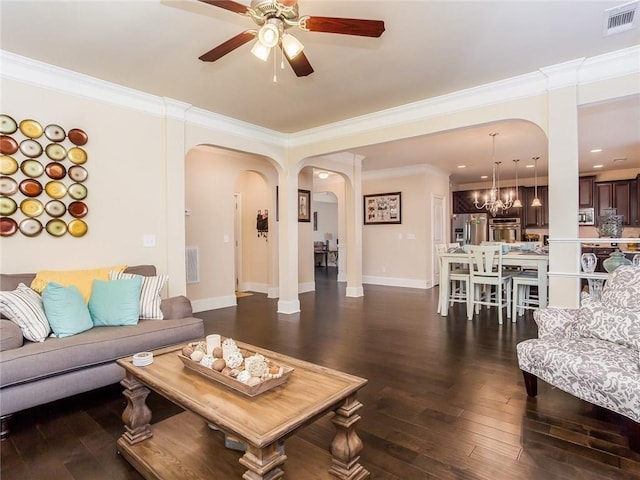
(269, 33)
(260, 51)
(291, 46)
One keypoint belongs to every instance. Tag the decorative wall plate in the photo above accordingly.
(55, 170)
(77, 228)
(55, 151)
(55, 208)
(78, 173)
(55, 189)
(55, 133)
(32, 168)
(30, 148)
(31, 207)
(30, 187)
(7, 124)
(31, 128)
(56, 227)
(77, 191)
(8, 206)
(77, 155)
(8, 186)
(77, 136)
(8, 226)
(8, 165)
(8, 145)
(30, 227)
(78, 209)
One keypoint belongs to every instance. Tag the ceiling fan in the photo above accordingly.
(274, 17)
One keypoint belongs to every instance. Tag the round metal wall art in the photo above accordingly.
(42, 192)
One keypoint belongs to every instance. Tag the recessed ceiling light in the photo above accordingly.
(484, 177)
(462, 166)
(323, 175)
(598, 166)
(529, 166)
(619, 160)
(596, 150)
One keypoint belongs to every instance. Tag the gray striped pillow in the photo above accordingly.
(149, 294)
(23, 306)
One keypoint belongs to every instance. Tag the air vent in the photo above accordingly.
(619, 19)
(192, 258)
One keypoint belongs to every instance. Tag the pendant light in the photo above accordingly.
(536, 201)
(517, 203)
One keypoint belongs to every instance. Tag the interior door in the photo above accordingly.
(439, 229)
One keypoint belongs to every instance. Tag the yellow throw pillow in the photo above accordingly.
(82, 279)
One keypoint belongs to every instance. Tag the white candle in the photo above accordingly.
(213, 341)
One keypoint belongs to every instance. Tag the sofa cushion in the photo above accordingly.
(10, 281)
(99, 345)
(10, 335)
(82, 279)
(24, 307)
(597, 371)
(150, 298)
(623, 288)
(116, 302)
(610, 323)
(66, 310)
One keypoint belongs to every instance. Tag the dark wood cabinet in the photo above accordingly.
(585, 191)
(462, 202)
(615, 195)
(535, 217)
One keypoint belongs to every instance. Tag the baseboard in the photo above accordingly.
(288, 307)
(273, 292)
(213, 303)
(306, 287)
(355, 292)
(253, 287)
(396, 282)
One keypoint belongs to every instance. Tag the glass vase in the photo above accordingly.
(615, 260)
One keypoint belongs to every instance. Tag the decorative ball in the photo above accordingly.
(217, 352)
(207, 361)
(274, 369)
(227, 371)
(219, 365)
(187, 351)
(253, 381)
(243, 376)
(197, 355)
(234, 359)
(256, 365)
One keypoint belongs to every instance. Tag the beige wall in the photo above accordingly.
(306, 269)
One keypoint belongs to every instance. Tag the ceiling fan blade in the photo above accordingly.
(228, 46)
(300, 65)
(288, 3)
(227, 5)
(345, 26)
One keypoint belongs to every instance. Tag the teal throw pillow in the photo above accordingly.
(115, 302)
(65, 309)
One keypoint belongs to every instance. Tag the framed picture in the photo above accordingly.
(304, 206)
(383, 208)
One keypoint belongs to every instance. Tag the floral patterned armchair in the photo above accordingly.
(592, 352)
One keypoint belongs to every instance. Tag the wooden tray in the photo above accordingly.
(235, 384)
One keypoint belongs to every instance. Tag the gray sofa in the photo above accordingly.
(34, 373)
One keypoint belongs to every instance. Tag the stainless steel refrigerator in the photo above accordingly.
(469, 228)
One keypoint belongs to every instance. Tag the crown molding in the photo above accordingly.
(563, 74)
(610, 65)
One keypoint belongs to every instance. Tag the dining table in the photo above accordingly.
(526, 259)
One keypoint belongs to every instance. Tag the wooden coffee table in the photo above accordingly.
(184, 447)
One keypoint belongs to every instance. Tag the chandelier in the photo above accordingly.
(492, 201)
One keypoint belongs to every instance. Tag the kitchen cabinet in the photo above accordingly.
(615, 195)
(462, 202)
(535, 217)
(585, 191)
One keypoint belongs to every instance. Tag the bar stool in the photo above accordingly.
(459, 279)
(485, 269)
(523, 296)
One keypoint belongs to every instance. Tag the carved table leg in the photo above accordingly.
(136, 415)
(346, 445)
(263, 463)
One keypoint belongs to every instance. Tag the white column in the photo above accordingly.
(354, 230)
(174, 186)
(563, 182)
(288, 245)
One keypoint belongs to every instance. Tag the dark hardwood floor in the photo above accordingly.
(445, 397)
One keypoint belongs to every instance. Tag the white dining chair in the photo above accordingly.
(523, 296)
(458, 278)
(486, 273)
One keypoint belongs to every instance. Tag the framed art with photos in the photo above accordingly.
(304, 205)
(383, 208)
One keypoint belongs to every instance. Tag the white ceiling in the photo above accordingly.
(429, 48)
